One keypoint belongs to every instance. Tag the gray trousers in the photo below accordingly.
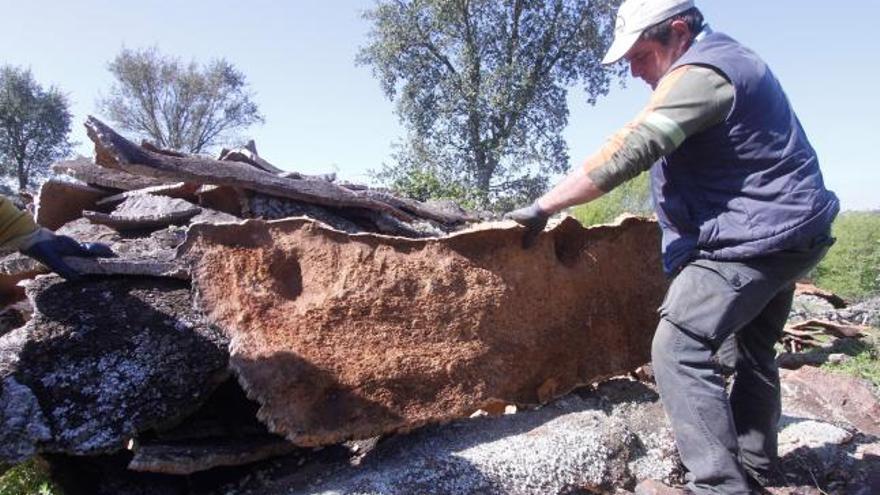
(721, 316)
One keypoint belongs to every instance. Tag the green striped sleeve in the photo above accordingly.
(693, 99)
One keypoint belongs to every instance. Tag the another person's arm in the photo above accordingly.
(18, 231)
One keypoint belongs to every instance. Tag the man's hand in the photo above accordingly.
(533, 218)
(49, 249)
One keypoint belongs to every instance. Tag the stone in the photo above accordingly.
(24, 426)
(798, 433)
(12, 317)
(818, 394)
(866, 312)
(838, 358)
(109, 358)
(587, 442)
(350, 336)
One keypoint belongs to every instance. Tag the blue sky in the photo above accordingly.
(325, 114)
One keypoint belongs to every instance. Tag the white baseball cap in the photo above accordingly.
(634, 16)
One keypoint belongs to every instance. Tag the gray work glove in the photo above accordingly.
(49, 249)
(533, 218)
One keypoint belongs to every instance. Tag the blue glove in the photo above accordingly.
(49, 249)
(533, 218)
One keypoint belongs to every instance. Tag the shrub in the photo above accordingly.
(633, 196)
(29, 478)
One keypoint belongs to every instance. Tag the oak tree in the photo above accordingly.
(482, 85)
(34, 126)
(180, 106)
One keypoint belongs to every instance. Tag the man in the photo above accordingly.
(18, 231)
(743, 212)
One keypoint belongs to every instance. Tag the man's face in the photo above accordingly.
(649, 60)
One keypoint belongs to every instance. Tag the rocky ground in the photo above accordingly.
(601, 439)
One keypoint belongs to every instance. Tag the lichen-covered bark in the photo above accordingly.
(60, 202)
(348, 336)
(106, 359)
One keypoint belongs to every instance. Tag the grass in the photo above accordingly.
(28, 478)
(852, 266)
(864, 361)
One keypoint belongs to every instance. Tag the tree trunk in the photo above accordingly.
(22, 176)
(485, 171)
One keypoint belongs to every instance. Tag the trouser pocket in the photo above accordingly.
(710, 299)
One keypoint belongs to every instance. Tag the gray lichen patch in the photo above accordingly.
(23, 424)
(112, 357)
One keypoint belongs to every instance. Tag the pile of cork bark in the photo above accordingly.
(253, 312)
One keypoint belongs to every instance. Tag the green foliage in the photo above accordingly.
(34, 124)
(423, 184)
(184, 107)
(633, 196)
(29, 478)
(852, 266)
(417, 175)
(481, 86)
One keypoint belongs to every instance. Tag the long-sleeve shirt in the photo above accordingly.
(15, 225)
(686, 101)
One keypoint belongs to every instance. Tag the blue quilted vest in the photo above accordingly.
(748, 186)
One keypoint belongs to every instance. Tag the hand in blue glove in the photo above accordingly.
(533, 218)
(49, 249)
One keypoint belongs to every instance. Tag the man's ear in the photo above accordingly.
(682, 31)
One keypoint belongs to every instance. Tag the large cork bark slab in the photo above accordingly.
(180, 190)
(139, 161)
(184, 459)
(144, 212)
(86, 171)
(60, 202)
(349, 336)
